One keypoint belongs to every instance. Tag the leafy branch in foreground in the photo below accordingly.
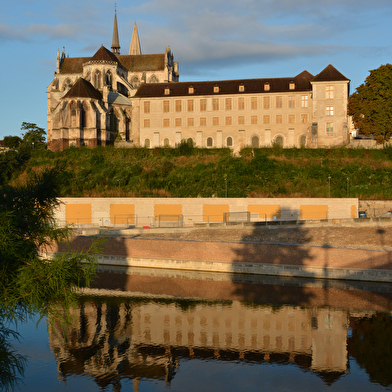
(29, 283)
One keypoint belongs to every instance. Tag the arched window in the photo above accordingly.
(279, 141)
(229, 142)
(153, 79)
(97, 80)
(255, 142)
(109, 78)
(135, 82)
(67, 84)
(210, 142)
(166, 142)
(302, 141)
(147, 143)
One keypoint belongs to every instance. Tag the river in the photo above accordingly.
(158, 330)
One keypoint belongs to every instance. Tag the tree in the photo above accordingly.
(371, 105)
(12, 141)
(34, 135)
(29, 283)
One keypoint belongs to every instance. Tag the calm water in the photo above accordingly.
(140, 330)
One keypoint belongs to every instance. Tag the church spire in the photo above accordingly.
(134, 48)
(116, 41)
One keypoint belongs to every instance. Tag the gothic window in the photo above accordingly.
(154, 79)
(97, 80)
(67, 84)
(135, 82)
(109, 79)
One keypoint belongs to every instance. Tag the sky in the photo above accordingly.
(211, 40)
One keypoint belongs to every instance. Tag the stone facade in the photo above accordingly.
(138, 99)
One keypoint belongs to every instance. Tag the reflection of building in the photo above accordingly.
(143, 338)
(132, 98)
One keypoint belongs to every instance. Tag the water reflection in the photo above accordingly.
(135, 336)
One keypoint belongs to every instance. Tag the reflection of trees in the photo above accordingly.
(371, 345)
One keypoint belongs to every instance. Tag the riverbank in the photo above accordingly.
(329, 252)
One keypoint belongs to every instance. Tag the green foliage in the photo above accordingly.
(12, 141)
(371, 105)
(33, 135)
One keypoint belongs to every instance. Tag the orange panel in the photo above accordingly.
(265, 211)
(168, 212)
(314, 212)
(78, 213)
(214, 212)
(122, 214)
(354, 212)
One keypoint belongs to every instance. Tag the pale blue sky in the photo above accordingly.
(211, 40)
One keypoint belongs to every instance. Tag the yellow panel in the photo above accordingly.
(122, 214)
(78, 213)
(354, 212)
(168, 212)
(214, 212)
(314, 212)
(265, 211)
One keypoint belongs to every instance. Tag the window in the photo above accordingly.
(253, 120)
(304, 118)
(190, 105)
(304, 101)
(266, 102)
(215, 120)
(216, 89)
(191, 90)
(253, 103)
(279, 141)
(229, 142)
(329, 128)
(147, 143)
(292, 101)
(166, 106)
(329, 110)
(215, 104)
(292, 86)
(146, 106)
(291, 118)
(178, 105)
(166, 122)
(97, 80)
(279, 119)
(146, 123)
(228, 120)
(228, 103)
(266, 119)
(241, 103)
(166, 142)
(266, 87)
(241, 120)
(203, 105)
(241, 88)
(210, 142)
(203, 121)
(167, 91)
(255, 142)
(302, 140)
(178, 122)
(191, 122)
(329, 92)
(279, 101)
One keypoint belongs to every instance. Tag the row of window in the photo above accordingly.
(228, 104)
(215, 121)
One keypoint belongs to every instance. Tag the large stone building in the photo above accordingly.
(136, 100)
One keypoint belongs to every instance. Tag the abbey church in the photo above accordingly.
(136, 99)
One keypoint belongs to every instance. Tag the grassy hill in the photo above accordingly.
(192, 172)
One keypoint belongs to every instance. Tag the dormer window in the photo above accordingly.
(266, 87)
(167, 91)
(216, 89)
(241, 88)
(191, 90)
(292, 86)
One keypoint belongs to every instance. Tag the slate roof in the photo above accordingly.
(138, 63)
(329, 74)
(83, 89)
(251, 86)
